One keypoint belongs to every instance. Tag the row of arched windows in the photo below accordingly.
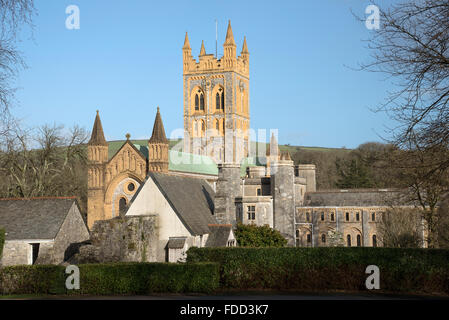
(348, 239)
(199, 103)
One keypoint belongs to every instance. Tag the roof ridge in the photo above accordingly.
(40, 198)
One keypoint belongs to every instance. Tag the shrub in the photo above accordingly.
(249, 235)
(401, 270)
(112, 279)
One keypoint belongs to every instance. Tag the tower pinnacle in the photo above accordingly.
(203, 49)
(229, 35)
(186, 42)
(245, 47)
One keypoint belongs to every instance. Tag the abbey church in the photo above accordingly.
(198, 195)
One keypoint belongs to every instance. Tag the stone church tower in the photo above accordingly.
(216, 102)
(112, 182)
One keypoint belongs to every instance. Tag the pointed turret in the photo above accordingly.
(158, 147)
(186, 54)
(229, 35)
(203, 49)
(97, 137)
(186, 42)
(245, 47)
(273, 149)
(158, 135)
(229, 47)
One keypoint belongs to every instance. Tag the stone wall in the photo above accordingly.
(15, 252)
(131, 238)
(228, 187)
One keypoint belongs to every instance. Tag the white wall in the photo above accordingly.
(151, 201)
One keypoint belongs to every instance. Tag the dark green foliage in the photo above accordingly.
(37, 279)
(401, 270)
(352, 174)
(249, 235)
(112, 279)
(2, 240)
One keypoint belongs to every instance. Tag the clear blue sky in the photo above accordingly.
(126, 59)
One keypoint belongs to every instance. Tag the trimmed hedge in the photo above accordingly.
(2, 240)
(112, 279)
(401, 270)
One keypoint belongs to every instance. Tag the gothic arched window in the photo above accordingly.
(348, 240)
(217, 101)
(374, 240)
(201, 102)
(222, 101)
(197, 102)
(359, 241)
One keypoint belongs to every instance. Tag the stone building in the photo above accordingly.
(140, 178)
(40, 230)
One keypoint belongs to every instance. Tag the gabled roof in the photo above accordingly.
(176, 243)
(35, 218)
(219, 235)
(158, 135)
(139, 152)
(190, 198)
(97, 137)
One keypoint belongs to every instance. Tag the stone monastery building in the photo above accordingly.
(213, 182)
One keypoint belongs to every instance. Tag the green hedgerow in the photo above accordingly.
(127, 278)
(328, 268)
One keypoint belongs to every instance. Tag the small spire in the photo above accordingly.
(97, 137)
(229, 35)
(203, 49)
(127, 136)
(158, 135)
(186, 42)
(245, 46)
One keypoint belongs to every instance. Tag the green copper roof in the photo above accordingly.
(187, 162)
(184, 162)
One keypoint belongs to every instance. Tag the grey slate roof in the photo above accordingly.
(219, 235)
(363, 197)
(33, 218)
(191, 199)
(176, 243)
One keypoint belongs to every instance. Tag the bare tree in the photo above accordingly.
(401, 228)
(13, 15)
(44, 162)
(411, 46)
